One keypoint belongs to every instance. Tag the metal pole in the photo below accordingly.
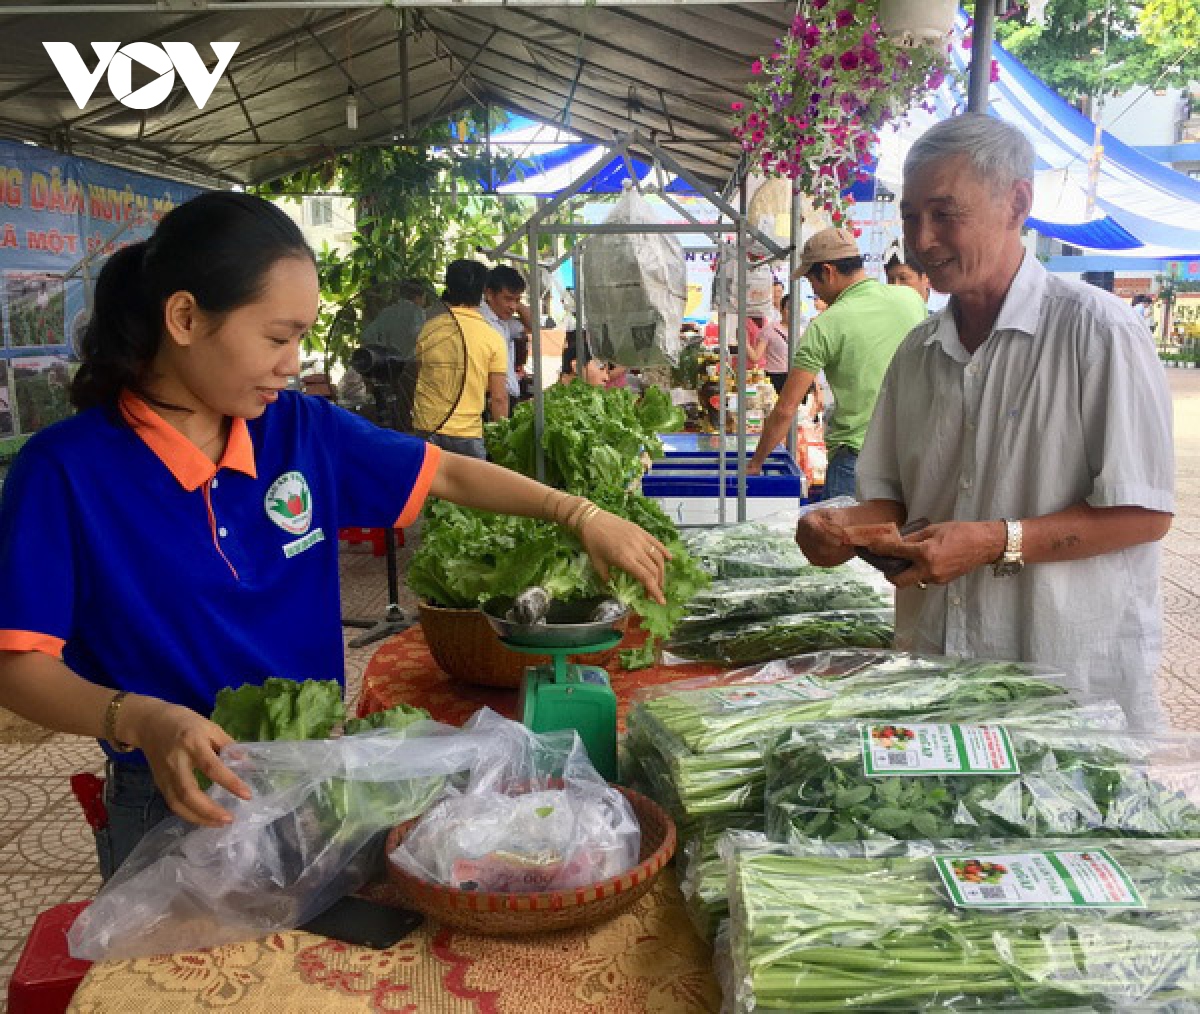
(741, 356)
(722, 417)
(709, 194)
(580, 339)
(539, 401)
(981, 56)
(405, 103)
(793, 320)
(562, 198)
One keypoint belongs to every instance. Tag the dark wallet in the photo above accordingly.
(890, 566)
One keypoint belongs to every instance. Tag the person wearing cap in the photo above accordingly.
(1030, 423)
(852, 341)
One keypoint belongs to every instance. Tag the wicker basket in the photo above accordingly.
(509, 913)
(466, 648)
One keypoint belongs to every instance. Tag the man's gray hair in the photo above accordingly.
(997, 151)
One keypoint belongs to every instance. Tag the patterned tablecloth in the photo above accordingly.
(647, 960)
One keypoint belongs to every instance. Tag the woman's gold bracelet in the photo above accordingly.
(585, 517)
(110, 722)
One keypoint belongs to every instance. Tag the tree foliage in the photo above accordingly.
(417, 209)
(1165, 21)
(1066, 51)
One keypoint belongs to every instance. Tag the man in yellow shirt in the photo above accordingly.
(456, 377)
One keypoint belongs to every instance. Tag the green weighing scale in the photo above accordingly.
(564, 694)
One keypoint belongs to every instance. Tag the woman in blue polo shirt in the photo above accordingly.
(179, 534)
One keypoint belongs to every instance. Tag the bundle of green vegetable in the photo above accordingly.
(733, 600)
(749, 549)
(282, 709)
(467, 557)
(593, 440)
(716, 716)
(780, 636)
(821, 931)
(593, 437)
(825, 781)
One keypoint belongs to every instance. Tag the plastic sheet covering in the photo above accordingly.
(635, 289)
(309, 834)
(535, 816)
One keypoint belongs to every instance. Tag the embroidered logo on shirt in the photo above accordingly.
(289, 504)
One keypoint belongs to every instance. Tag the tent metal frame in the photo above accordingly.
(731, 221)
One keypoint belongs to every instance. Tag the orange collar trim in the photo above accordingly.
(185, 460)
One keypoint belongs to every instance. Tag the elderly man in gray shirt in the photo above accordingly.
(1030, 422)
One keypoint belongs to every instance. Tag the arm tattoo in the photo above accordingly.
(1066, 542)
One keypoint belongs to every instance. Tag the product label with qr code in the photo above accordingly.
(1052, 879)
(895, 748)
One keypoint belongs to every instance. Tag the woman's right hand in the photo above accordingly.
(178, 742)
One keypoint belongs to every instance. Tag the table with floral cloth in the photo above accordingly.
(647, 960)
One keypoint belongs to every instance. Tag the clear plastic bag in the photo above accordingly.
(635, 289)
(867, 928)
(534, 816)
(309, 834)
(760, 640)
(843, 781)
(740, 599)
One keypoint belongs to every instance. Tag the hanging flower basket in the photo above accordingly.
(817, 103)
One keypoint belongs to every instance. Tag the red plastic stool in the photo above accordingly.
(374, 536)
(46, 975)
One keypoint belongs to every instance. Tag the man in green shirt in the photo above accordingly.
(853, 342)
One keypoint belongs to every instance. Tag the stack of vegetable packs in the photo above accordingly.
(982, 867)
(697, 747)
(1046, 924)
(768, 602)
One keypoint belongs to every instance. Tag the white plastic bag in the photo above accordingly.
(635, 290)
(309, 834)
(535, 816)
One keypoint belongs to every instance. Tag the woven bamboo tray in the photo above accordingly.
(510, 913)
(466, 648)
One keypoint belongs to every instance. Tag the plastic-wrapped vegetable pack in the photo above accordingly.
(843, 781)
(964, 926)
(750, 549)
(738, 599)
(760, 640)
(748, 705)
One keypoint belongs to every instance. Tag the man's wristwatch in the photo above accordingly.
(1011, 561)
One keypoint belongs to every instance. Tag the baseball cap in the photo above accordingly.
(826, 245)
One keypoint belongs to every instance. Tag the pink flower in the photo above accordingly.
(995, 73)
(756, 67)
(843, 19)
(848, 60)
(737, 107)
(827, 62)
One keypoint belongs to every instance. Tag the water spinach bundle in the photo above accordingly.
(959, 926)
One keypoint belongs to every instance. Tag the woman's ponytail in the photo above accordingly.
(121, 338)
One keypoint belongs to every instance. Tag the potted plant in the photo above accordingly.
(816, 104)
